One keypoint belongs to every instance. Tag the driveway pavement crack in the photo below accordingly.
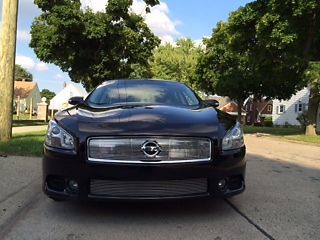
(260, 229)
(18, 190)
(7, 226)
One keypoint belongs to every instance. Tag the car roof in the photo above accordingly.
(144, 80)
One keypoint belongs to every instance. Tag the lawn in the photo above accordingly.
(26, 144)
(304, 138)
(290, 133)
(25, 121)
(278, 131)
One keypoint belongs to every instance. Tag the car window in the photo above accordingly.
(106, 94)
(144, 92)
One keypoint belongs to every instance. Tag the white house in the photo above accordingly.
(28, 94)
(286, 111)
(60, 101)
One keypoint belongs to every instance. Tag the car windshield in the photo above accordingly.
(142, 92)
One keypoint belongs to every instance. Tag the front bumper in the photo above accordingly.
(60, 167)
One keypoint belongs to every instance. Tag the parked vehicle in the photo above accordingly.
(143, 139)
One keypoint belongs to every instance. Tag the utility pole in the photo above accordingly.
(7, 65)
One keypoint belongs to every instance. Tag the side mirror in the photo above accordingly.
(211, 102)
(75, 100)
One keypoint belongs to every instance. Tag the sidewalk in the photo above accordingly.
(27, 129)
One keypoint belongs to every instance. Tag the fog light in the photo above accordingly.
(222, 183)
(73, 185)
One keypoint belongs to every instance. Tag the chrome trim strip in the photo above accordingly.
(95, 160)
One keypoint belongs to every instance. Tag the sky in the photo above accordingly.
(171, 20)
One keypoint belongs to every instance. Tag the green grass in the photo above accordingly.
(289, 133)
(23, 123)
(24, 120)
(304, 138)
(24, 116)
(26, 144)
(278, 131)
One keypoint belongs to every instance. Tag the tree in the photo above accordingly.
(22, 73)
(274, 40)
(7, 53)
(47, 94)
(312, 79)
(176, 62)
(228, 66)
(92, 47)
(289, 35)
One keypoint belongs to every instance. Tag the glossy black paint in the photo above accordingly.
(84, 121)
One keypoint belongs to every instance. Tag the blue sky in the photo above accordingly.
(170, 20)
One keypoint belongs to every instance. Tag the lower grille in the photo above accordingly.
(136, 189)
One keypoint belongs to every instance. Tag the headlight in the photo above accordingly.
(58, 137)
(233, 138)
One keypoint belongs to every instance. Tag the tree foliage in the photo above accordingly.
(176, 62)
(92, 47)
(290, 33)
(22, 73)
(264, 49)
(47, 94)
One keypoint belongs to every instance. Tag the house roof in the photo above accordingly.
(259, 105)
(231, 107)
(60, 101)
(23, 88)
(222, 100)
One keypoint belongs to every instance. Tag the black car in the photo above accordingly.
(143, 139)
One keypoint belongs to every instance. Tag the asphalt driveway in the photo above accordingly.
(282, 201)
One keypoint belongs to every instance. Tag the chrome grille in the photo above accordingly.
(140, 189)
(129, 150)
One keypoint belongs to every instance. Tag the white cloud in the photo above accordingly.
(58, 76)
(23, 35)
(167, 39)
(25, 62)
(41, 67)
(27, 8)
(29, 64)
(95, 5)
(158, 19)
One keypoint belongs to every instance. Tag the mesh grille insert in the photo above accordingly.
(165, 188)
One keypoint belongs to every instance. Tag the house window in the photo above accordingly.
(269, 108)
(300, 107)
(282, 109)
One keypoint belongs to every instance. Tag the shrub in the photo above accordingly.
(268, 122)
(303, 119)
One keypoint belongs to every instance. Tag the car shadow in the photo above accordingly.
(182, 209)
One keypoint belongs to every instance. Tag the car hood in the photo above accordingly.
(145, 120)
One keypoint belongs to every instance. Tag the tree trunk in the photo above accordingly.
(7, 61)
(314, 100)
(240, 104)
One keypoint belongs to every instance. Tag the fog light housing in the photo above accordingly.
(222, 184)
(73, 185)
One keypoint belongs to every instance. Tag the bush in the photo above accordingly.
(268, 122)
(303, 119)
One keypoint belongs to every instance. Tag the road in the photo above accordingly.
(26, 129)
(282, 201)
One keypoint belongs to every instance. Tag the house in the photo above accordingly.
(285, 112)
(257, 110)
(60, 101)
(229, 106)
(26, 93)
(232, 109)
